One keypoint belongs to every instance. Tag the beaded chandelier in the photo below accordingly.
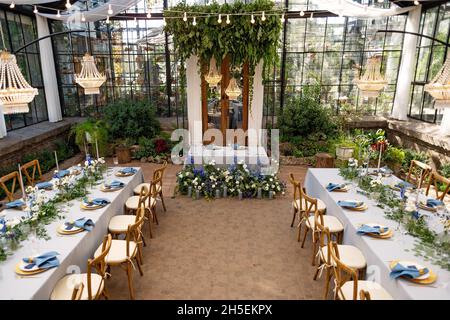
(213, 77)
(439, 87)
(89, 78)
(233, 91)
(371, 82)
(15, 92)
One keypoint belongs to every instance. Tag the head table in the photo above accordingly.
(74, 250)
(378, 252)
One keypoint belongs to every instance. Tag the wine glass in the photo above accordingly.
(115, 161)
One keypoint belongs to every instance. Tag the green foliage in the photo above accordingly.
(394, 155)
(131, 119)
(241, 40)
(95, 129)
(414, 155)
(146, 148)
(445, 170)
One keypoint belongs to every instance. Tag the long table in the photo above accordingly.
(74, 250)
(378, 252)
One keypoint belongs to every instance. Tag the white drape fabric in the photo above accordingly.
(348, 8)
(2, 124)
(194, 100)
(255, 113)
(445, 124)
(48, 71)
(407, 67)
(95, 14)
(23, 2)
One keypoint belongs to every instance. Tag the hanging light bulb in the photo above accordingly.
(185, 17)
(302, 13)
(220, 19)
(110, 10)
(380, 1)
(89, 78)
(68, 4)
(35, 10)
(107, 19)
(149, 14)
(233, 91)
(282, 18)
(194, 22)
(58, 14)
(252, 20)
(228, 19)
(263, 17)
(83, 18)
(213, 77)
(12, 5)
(416, 3)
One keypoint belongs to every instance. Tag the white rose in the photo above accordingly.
(12, 223)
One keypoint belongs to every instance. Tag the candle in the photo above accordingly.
(240, 194)
(96, 147)
(270, 194)
(24, 195)
(379, 158)
(225, 193)
(56, 160)
(217, 193)
(197, 194)
(259, 193)
(189, 191)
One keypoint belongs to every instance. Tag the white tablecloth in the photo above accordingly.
(378, 252)
(74, 250)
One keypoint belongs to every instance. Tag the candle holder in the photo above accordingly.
(240, 194)
(270, 194)
(225, 192)
(217, 193)
(259, 193)
(189, 192)
(197, 194)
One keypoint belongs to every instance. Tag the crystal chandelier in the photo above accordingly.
(15, 92)
(371, 82)
(89, 78)
(233, 90)
(213, 77)
(439, 87)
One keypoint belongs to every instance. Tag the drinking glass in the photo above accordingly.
(116, 161)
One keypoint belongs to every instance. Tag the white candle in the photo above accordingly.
(96, 147)
(24, 195)
(379, 158)
(56, 160)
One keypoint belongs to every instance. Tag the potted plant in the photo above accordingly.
(123, 151)
(393, 157)
(90, 132)
(345, 148)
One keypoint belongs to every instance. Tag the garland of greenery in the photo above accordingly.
(241, 40)
(430, 245)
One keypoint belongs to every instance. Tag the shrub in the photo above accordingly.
(132, 120)
(146, 148)
(445, 170)
(394, 155)
(414, 155)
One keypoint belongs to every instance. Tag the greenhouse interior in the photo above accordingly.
(224, 150)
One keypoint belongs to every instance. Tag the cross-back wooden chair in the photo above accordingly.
(35, 170)
(347, 284)
(89, 285)
(12, 179)
(309, 213)
(418, 173)
(144, 200)
(436, 181)
(350, 255)
(157, 179)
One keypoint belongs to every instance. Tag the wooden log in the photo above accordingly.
(324, 160)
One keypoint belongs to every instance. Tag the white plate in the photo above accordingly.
(406, 263)
(378, 225)
(23, 264)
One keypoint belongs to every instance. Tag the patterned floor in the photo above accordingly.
(222, 249)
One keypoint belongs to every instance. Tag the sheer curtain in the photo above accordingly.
(349, 8)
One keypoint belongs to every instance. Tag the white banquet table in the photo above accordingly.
(378, 252)
(74, 250)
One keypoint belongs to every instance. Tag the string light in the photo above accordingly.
(282, 18)
(110, 10)
(312, 14)
(194, 22)
(68, 4)
(220, 19)
(107, 19)
(302, 13)
(12, 5)
(35, 10)
(83, 18)
(252, 20)
(185, 17)
(263, 18)
(149, 14)
(416, 3)
(58, 14)
(228, 19)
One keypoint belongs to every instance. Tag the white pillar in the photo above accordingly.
(48, 71)
(255, 111)
(194, 100)
(407, 67)
(2, 124)
(445, 123)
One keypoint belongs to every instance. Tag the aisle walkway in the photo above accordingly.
(222, 249)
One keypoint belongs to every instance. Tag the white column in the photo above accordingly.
(194, 100)
(2, 124)
(255, 111)
(445, 123)
(48, 71)
(407, 66)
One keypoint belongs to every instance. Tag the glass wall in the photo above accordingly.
(435, 23)
(19, 30)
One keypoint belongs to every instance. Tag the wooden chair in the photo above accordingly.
(347, 285)
(33, 165)
(158, 175)
(123, 252)
(297, 204)
(145, 200)
(364, 295)
(436, 181)
(13, 179)
(350, 255)
(72, 286)
(418, 173)
(309, 213)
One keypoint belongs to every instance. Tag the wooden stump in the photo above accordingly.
(324, 160)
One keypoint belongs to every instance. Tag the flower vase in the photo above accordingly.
(217, 193)
(240, 194)
(225, 192)
(259, 193)
(189, 191)
(270, 194)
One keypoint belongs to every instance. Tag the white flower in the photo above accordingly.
(180, 175)
(12, 223)
(237, 182)
(203, 184)
(213, 186)
(86, 163)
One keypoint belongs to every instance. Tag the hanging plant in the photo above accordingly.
(241, 40)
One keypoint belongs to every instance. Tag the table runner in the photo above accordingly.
(74, 250)
(378, 252)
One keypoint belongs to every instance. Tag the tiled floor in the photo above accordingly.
(222, 249)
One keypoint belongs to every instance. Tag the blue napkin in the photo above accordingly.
(411, 272)
(385, 170)
(2, 226)
(404, 184)
(127, 170)
(97, 201)
(83, 223)
(350, 204)
(44, 185)
(432, 203)
(115, 184)
(44, 261)
(334, 186)
(15, 204)
(62, 173)
(368, 229)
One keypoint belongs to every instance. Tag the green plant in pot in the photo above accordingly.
(345, 148)
(91, 132)
(393, 157)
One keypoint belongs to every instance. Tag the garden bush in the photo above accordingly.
(414, 155)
